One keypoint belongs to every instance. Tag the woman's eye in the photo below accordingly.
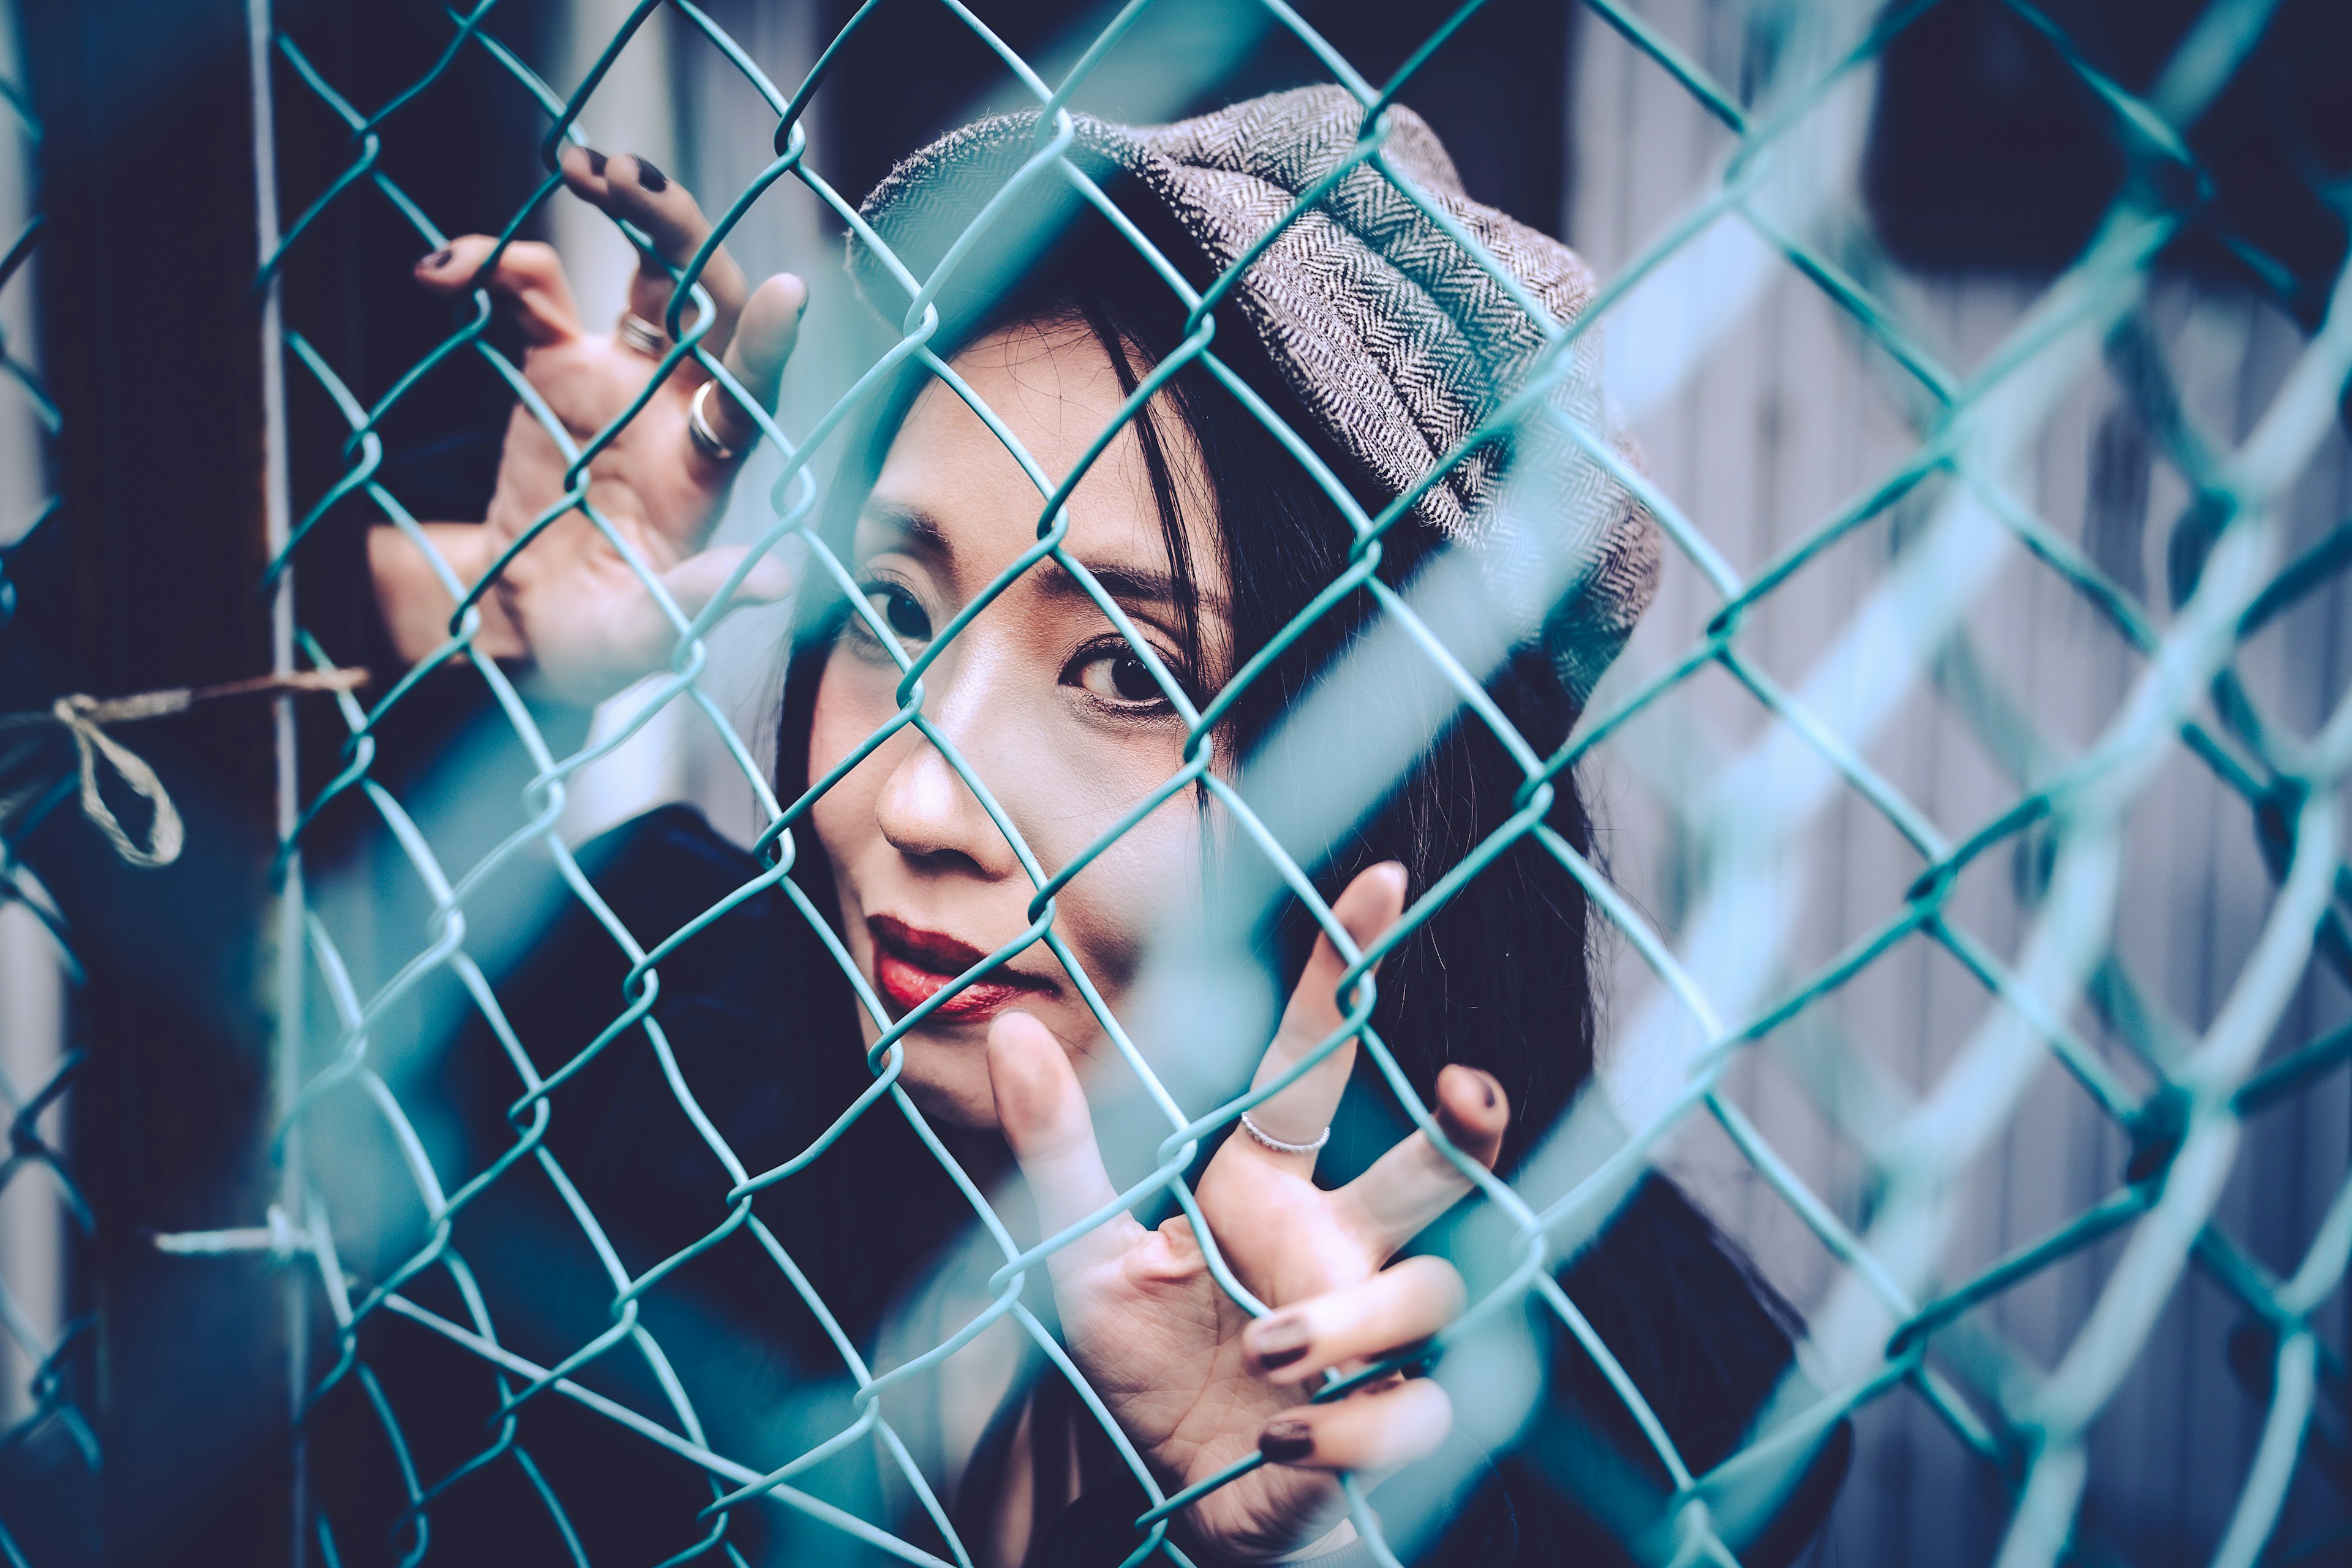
(901, 612)
(1121, 676)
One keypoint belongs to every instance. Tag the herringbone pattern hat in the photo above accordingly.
(1396, 342)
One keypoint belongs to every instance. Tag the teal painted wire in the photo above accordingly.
(2255, 757)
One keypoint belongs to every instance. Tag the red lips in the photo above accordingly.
(911, 965)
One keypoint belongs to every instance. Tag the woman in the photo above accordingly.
(1377, 339)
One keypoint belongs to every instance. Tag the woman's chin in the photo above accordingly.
(945, 1076)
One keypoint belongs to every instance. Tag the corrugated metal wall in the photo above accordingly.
(1789, 415)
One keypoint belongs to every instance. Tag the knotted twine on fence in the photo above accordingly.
(1876, 1333)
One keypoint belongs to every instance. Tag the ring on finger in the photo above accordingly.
(1250, 1126)
(645, 337)
(701, 432)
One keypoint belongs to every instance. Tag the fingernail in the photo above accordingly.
(1277, 1342)
(651, 178)
(1487, 1084)
(596, 162)
(1286, 1442)
(439, 260)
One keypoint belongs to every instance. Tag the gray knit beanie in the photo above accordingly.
(1394, 339)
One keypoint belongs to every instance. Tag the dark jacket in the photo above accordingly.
(756, 1019)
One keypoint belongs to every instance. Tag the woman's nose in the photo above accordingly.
(926, 812)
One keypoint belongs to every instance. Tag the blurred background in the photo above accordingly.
(1955, 177)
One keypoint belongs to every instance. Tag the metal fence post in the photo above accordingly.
(155, 326)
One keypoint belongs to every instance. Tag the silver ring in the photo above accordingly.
(698, 429)
(1250, 1126)
(642, 335)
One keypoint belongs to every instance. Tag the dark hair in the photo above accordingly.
(1499, 977)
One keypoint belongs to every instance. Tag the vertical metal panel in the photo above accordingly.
(151, 326)
(1790, 414)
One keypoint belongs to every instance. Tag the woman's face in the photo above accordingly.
(1039, 696)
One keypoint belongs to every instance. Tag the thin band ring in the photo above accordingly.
(1250, 1126)
(701, 432)
(645, 337)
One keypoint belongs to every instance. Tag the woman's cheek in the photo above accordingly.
(843, 718)
(1146, 880)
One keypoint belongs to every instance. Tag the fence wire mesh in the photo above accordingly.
(48, 1220)
(1876, 1335)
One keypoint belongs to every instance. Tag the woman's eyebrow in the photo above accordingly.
(923, 533)
(1125, 584)
(916, 528)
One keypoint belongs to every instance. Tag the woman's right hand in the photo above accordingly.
(1194, 1381)
(569, 605)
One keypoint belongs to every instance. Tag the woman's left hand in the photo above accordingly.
(571, 606)
(1193, 1382)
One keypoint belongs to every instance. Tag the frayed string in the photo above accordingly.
(84, 718)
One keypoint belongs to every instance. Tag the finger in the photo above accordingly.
(1374, 1431)
(418, 603)
(697, 579)
(1365, 906)
(528, 281)
(1043, 1114)
(764, 336)
(1363, 1322)
(589, 657)
(1414, 1182)
(630, 187)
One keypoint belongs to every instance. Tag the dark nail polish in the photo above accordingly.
(439, 258)
(1488, 1085)
(1286, 1442)
(1277, 1340)
(651, 178)
(596, 162)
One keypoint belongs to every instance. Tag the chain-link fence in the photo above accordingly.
(1887, 1326)
(48, 1451)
